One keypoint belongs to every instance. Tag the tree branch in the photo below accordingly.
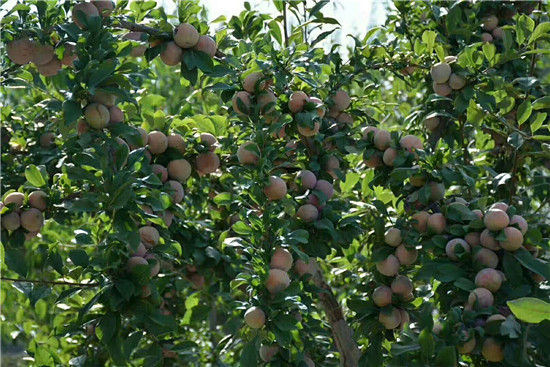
(285, 24)
(341, 331)
(50, 282)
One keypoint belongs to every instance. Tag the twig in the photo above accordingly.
(285, 24)
(50, 282)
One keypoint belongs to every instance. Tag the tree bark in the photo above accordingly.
(341, 331)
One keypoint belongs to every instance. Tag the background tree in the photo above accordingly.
(175, 194)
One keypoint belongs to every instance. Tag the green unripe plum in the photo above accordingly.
(277, 281)
(254, 317)
(441, 72)
(11, 221)
(37, 199)
(406, 256)
(488, 278)
(157, 142)
(176, 191)
(490, 22)
(15, 198)
(382, 296)
(246, 153)
(276, 189)
(281, 259)
(97, 115)
(388, 267)
(150, 237)
(492, 350)
(307, 213)
(382, 140)
(32, 220)
(496, 220)
(21, 51)
(513, 241)
(456, 81)
(179, 169)
(390, 320)
(393, 237)
(172, 54)
(437, 223)
(186, 35)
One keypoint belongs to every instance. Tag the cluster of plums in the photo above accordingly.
(24, 50)
(24, 211)
(444, 80)
(186, 37)
(400, 290)
(382, 151)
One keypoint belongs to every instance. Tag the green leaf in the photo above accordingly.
(429, 39)
(531, 310)
(524, 111)
(352, 178)
(79, 258)
(249, 355)
(543, 29)
(537, 121)
(446, 357)
(34, 176)
(285, 322)
(15, 260)
(426, 340)
(71, 111)
(541, 103)
(524, 27)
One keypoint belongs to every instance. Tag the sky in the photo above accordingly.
(355, 16)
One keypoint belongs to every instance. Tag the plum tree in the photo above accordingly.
(281, 259)
(382, 296)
